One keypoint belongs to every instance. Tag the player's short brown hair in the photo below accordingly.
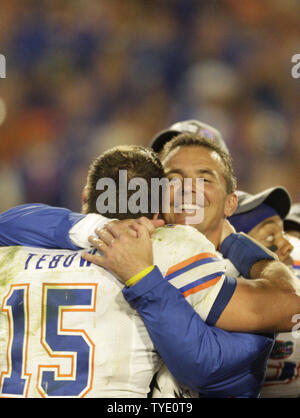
(138, 161)
(189, 139)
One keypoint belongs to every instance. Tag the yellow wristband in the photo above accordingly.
(139, 276)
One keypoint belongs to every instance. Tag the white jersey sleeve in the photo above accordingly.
(190, 262)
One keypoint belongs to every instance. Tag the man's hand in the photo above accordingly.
(125, 250)
(125, 224)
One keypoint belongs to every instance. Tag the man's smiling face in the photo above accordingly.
(199, 162)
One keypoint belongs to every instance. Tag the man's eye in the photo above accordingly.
(205, 179)
(175, 182)
(269, 238)
(174, 177)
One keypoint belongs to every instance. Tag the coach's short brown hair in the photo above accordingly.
(188, 140)
(138, 161)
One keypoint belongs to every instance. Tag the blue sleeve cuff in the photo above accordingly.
(147, 283)
(61, 235)
(243, 252)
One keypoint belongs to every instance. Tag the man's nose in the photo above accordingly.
(284, 248)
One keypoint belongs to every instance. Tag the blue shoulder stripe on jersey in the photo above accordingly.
(192, 266)
(296, 266)
(222, 300)
(201, 281)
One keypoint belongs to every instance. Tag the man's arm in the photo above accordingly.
(265, 304)
(198, 355)
(269, 299)
(38, 225)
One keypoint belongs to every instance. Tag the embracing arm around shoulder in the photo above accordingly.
(265, 304)
(38, 225)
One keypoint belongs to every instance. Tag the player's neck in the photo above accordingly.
(214, 237)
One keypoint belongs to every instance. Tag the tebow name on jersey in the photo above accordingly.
(45, 261)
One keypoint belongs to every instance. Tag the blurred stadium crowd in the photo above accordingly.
(83, 76)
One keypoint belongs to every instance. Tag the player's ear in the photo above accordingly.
(84, 195)
(231, 204)
(84, 206)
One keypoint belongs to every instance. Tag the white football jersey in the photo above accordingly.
(283, 370)
(67, 331)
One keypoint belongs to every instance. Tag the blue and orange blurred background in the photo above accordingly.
(83, 76)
